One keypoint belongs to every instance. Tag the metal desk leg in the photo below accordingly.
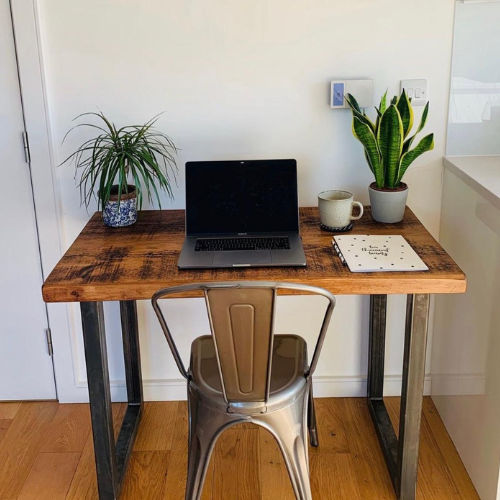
(400, 455)
(111, 460)
(417, 317)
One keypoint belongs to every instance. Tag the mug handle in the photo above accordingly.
(361, 209)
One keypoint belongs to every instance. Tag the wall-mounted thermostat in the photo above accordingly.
(362, 90)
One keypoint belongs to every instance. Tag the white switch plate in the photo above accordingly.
(417, 90)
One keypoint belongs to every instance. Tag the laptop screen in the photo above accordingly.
(234, 197)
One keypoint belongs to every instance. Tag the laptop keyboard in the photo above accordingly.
(227, 244)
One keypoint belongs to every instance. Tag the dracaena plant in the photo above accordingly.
(134, 153)
(387, 141)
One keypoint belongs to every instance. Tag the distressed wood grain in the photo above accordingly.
(132, 263)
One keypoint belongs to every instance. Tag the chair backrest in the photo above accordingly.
(241, 318)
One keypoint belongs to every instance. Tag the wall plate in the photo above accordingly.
(416, 90)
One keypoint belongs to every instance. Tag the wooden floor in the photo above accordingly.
(46, 452)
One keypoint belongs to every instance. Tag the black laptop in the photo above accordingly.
(241, 214)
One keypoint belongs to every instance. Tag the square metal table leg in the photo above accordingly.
(401, 455)
(417, 317)
(111, 460)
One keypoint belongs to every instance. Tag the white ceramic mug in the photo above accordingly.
(335, 208)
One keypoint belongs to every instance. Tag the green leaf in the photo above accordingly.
(426, 144)
(367, 158)
(368, 121)
(390, 141)
(383, 103)
(357, 112)
(394, 100)
(406, 113)
(139, 151)
(351, 101)
(365, 135)
(423, 120)
(407, 144)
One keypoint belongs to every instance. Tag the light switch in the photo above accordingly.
(416, 90)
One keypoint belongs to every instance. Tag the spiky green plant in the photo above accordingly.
(135, 153)
(386, 142)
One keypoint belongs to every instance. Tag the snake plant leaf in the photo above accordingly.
(423, 120)
(406, 112)
(365, 135)
(357, 112)
(426, 144)
(377, 125)
(351, 100)
(383, 103)
(390, 140)
(394, 100)
(367, 158)
(407, 144)
(377, 121)
(368, 121)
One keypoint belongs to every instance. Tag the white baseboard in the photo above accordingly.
(350, 387)
(324, 387)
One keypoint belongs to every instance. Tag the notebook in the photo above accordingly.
(377, 253)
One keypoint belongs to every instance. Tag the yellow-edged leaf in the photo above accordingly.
(390, 142)
(426, 144)
(365, 135)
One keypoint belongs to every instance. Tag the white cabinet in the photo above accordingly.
(466, 344)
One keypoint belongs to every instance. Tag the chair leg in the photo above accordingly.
(205, 425)
(199, 451)
(289, 427)
(311, 419)
(199, 458)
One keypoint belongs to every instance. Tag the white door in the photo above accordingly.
(26, 370)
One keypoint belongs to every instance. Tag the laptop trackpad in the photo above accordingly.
(242, 258)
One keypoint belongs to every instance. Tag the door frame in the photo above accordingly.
(46, 196)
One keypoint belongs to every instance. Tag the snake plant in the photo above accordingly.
(387, 141)
(139, 153)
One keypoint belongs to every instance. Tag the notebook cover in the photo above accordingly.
(374, 253)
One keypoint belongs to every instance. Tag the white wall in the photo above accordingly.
(247, 79)
(474, 127)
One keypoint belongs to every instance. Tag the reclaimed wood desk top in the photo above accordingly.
(134, 262)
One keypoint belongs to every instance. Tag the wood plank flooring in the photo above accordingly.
(46, 452)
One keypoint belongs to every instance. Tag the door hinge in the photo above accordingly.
(48, 336)
(26, 145)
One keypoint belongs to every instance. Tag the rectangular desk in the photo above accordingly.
(130, 264)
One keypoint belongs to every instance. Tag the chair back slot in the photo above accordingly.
(242, 327)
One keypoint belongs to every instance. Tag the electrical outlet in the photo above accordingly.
(416, 90)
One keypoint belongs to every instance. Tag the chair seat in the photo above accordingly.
(289, 365)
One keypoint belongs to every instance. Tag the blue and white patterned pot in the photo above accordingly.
(122, 216)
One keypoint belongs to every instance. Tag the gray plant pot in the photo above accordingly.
(388, 206)
(123, 215)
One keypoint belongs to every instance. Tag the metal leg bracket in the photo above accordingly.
(111, 458)
(401, 455)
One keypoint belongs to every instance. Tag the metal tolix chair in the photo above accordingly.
(245, 373)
